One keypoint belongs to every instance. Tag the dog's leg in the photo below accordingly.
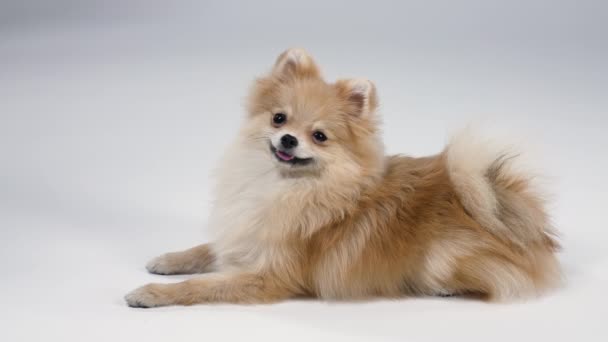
(198, 259)
(214, 288)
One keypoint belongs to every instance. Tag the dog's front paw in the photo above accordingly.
(163, 265)
(148, 296)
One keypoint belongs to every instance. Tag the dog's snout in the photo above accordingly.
(289, 141)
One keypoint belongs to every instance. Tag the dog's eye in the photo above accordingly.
(279, 119)
(319, 136)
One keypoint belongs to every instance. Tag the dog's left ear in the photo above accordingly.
(296, 62)
(360, 95)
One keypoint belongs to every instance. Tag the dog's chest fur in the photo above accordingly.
(244, 219)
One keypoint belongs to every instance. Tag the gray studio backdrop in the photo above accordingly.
(113, 113)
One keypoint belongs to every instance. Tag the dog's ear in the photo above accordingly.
(296, 62)
(360, 96)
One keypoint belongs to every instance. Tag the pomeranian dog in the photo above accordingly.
(307, 204)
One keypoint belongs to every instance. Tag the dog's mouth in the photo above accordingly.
(286, 157)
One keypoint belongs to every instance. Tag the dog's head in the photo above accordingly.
(311, 127)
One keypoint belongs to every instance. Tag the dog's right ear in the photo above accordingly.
(295, 63)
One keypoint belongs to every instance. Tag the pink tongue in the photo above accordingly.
(284, 156)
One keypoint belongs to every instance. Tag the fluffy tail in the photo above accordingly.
(498, 191)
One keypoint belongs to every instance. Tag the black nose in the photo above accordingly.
(289, 141)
